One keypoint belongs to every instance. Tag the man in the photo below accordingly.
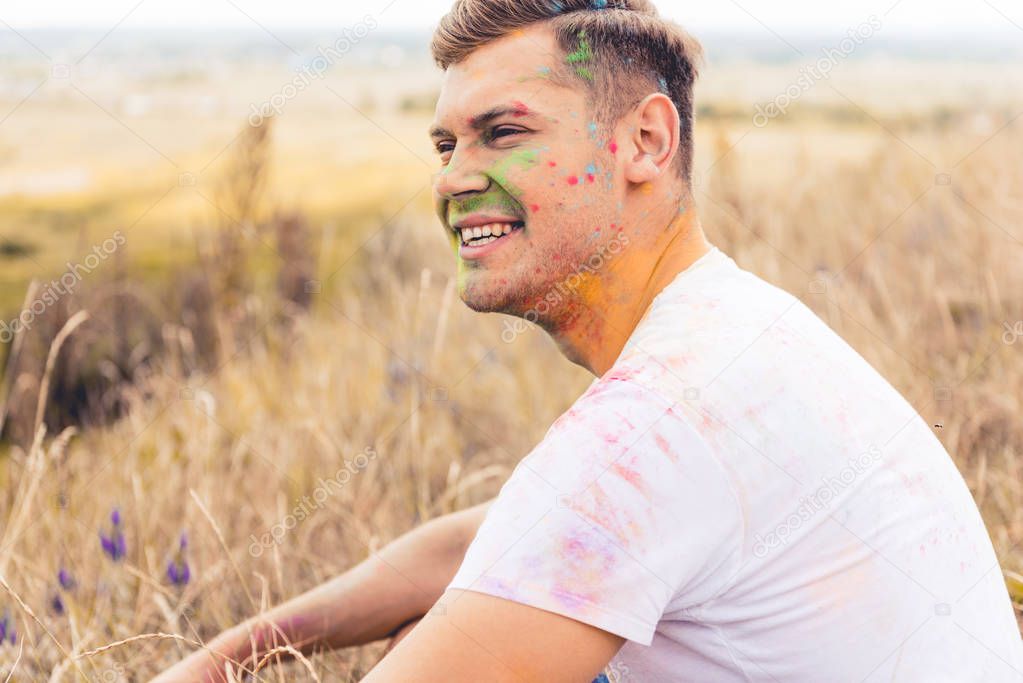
(738, 496)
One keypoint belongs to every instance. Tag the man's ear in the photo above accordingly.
(653, 138)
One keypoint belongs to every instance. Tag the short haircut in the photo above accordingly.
(620, 50)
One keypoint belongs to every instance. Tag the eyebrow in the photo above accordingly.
(480, 121)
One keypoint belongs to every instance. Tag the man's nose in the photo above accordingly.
(463, 176)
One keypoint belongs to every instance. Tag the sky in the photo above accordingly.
(777, 16)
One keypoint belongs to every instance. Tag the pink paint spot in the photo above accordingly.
(555, 257)
(613, 147)
(627, 373)
(590, 177)
(628, 475)
(520, 109)
(552, 164)
(665, 447)
(573, 180)
(535, 207)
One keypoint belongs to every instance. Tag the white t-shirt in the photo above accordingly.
(742, 497)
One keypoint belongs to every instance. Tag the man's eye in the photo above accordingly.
(503, 132)
(445, 147)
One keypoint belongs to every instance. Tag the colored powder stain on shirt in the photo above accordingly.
(603, 511)
(629, 475)
(665, 447)
(586, 558)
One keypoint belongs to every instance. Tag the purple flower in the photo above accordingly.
(67, 582)
(114, 544)
(7, 631)
(57, 604)
(178, 572)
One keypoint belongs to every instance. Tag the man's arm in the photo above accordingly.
(469, 637)
(368, 602)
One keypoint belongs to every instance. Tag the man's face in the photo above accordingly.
(521, 154)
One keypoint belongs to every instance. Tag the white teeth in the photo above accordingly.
(485, 234)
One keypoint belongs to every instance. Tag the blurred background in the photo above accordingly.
(234, 361)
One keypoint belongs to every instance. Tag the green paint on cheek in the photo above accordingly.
(523, 158)
(490, 200)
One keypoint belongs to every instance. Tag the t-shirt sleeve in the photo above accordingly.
(618, 517)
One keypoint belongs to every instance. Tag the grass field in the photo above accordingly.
(896, 217)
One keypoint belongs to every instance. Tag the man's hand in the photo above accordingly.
(470, 637)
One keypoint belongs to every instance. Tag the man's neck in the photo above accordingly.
(608, 314)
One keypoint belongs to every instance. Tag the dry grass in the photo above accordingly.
(920, 277)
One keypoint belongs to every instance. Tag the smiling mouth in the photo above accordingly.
(485, 234)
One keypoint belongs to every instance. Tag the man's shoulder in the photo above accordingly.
(697, 328)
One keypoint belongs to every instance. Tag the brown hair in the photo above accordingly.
(622, 50)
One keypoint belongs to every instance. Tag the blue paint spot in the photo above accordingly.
(664, 83)
(599, 4)
(591, 169)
